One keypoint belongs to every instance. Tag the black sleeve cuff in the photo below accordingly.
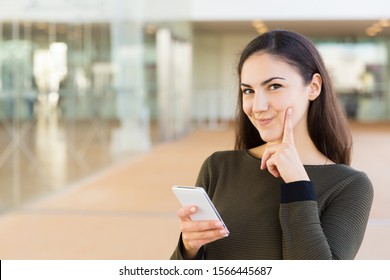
(297, 191)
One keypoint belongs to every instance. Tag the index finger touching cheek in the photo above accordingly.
(288, 133)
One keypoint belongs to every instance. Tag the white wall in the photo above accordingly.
(194, 10)
(288, 9)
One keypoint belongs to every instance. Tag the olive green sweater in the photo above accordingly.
(322, 219)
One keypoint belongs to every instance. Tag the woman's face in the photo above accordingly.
(269, 86)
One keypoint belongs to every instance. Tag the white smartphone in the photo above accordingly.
(188, 195)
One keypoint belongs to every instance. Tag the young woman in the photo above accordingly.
(287, 190)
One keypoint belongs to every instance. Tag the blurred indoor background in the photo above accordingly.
(104, 104)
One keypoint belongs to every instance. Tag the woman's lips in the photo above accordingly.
(264, 121)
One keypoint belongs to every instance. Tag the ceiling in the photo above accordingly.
(314, 28)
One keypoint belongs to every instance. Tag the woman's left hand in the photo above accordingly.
(282, 160)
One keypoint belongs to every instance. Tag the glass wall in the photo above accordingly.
(168, 78)
(360, 75)
(174, 77)
(77, 97)
(57, 105)
(359, 68)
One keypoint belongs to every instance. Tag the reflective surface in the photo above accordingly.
(42, 156)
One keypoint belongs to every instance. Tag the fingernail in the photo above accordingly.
(224, 232)
(193, 210)
(218, 224)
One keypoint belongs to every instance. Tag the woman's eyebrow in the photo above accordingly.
(270, 79)
(264, 82)
(245, 85)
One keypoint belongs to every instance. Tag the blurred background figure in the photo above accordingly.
(93, 87)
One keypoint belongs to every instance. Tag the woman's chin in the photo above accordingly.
(269, 138)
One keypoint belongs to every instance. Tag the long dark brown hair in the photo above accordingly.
(326, 121)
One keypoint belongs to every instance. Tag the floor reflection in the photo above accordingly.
(48, 153)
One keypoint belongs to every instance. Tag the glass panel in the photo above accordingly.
(174, 83)
(72, 93)
(17, 97)
(63, 113)
(359, 72)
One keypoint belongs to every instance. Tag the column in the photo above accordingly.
(127, 58)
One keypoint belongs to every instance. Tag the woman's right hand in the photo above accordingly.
(195, 234)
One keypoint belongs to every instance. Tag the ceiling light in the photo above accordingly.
(262, 30)
(376, 27)
(384, 23)
(258, 24)
(370, 31)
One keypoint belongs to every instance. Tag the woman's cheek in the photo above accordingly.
(283, 104)
(247, 107)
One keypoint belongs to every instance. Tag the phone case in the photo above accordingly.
(188, 195)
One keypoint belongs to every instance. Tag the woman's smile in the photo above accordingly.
(263, 122)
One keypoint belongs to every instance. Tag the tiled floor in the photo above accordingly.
(127, 211)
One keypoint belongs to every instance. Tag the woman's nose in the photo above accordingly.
(260, 102)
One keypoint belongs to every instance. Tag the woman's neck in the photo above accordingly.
(307, 151)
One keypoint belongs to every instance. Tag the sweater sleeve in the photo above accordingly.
(337, 232)
(178, 253)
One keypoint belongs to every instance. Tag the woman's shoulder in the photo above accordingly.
(340, 174)
(227, 159)
(335, 169)
(227, 155)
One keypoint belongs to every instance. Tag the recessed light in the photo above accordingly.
(258, 24)
(384, 23)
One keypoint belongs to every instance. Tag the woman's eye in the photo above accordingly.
(247, 91)
(274, 86)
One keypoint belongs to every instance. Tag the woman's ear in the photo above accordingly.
(315, 86)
